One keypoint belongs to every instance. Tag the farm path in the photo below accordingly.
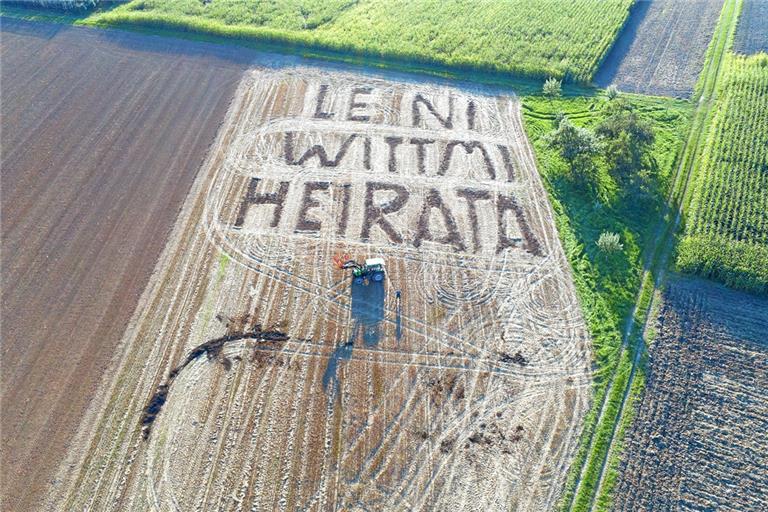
(659, 252)
(656, 254)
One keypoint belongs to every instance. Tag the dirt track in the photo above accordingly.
(698, 441)
(466, 393)
(661, 49)
(101, 143)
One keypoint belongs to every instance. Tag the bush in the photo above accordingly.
(609, 242)
(576, 145)
(553, 88)
(626, 137)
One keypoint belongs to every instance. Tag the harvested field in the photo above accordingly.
(661, 48)
(698, 441)
(101, 143)
(258, 377)
(752, 31)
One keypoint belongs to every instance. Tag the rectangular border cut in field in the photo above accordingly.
(102, 136)
(698, 441)
(460, 381)
(661, 49)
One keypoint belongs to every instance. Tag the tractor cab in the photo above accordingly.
(375, 268)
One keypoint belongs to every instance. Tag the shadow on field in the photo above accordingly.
(367, 315)
(247, 54)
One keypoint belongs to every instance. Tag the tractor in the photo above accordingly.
(371, 271)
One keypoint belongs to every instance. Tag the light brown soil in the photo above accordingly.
(102, 136)
(698, 441)
(466, 394)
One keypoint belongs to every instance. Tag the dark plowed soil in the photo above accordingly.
(661, 49)
(698, 441)
(752, 32)
(102, 135)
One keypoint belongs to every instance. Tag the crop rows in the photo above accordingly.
(548, 37)
(727, 230)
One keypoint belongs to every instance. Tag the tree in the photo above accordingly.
(625, 136)
(552, 88)
(576, 146)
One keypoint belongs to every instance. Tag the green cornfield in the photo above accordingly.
(726, 236)
(64, 5)
(561, 38)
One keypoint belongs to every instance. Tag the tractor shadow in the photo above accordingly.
(367, 316)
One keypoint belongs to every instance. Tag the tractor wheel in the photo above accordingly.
(378, 276)
(358, 280)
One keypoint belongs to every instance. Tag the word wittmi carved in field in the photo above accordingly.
(434, 176)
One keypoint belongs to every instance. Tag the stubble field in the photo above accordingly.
(257, 376)
(752, 32)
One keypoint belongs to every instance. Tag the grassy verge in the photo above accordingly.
(605, 496)
(607, 287)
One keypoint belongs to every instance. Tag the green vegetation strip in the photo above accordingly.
(535, 39)
(607, 284)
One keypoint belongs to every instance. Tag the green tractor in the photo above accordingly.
(372, 271)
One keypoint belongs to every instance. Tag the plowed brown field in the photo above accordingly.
(698, 441)
(102, 135)
(256, 376)
(661, 48)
